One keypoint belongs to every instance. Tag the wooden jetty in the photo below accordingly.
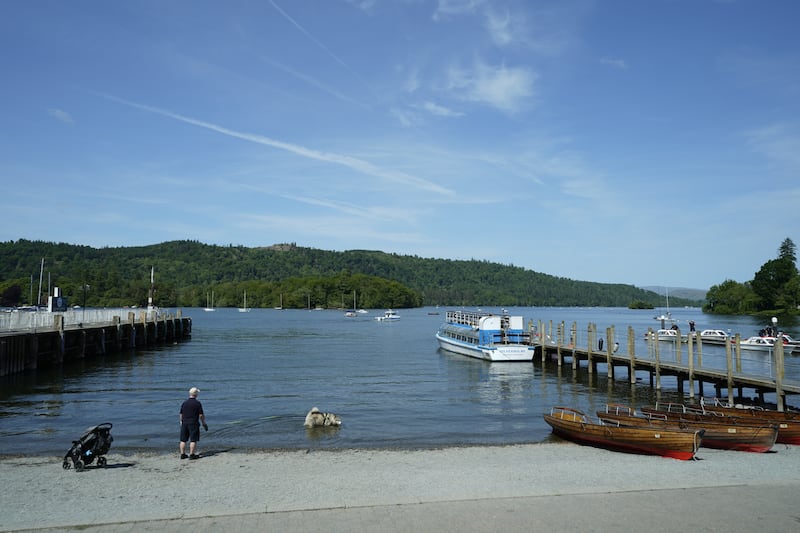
(62, 341)
(562, 345)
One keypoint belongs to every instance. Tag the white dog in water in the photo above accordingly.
(315, 418)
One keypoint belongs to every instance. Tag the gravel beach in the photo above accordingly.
(560, 485)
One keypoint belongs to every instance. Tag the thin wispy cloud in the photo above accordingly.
(455, 7)
(371, 213)
(441, 111)
(406, 118)
(359, 165)
(616, 63)
(499, 27)
(61, 115)
(780, 143)
(508, 89)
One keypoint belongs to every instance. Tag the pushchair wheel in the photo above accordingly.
(66, 464)
(79, 465)
(101, 462)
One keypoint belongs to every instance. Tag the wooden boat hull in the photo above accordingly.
(788, 429)
(746, 410)
(720, 435)
(574, 425)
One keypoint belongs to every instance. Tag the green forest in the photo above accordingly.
(187, 273)
(774, 289)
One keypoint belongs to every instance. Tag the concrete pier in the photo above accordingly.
(63, 340)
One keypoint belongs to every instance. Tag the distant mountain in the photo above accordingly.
(678, 292)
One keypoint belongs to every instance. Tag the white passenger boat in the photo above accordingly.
(713, 336)
(670, 335)
(485, 336)
(763, 344)
(388, 315)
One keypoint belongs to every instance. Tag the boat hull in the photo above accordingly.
(573, 425)
(720, 435)
(746, 410)
(788, 428)
(495, 353)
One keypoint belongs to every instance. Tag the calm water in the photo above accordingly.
(260, 372)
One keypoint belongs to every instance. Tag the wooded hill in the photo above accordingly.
(187, 272)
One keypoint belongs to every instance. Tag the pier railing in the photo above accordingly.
(35, 339)
(728, 366)
(40, 319)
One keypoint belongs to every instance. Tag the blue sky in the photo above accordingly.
(651, 142)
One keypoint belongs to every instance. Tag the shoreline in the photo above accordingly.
(266, 485)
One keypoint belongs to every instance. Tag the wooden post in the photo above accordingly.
(631, 353)
(62, 344)
(730, 367)
(678, 347)
(609, 362)
(132, 325)
(559, 342)
(690, 355)
(574, 345)
(541, 341)
(589, 344)
(738, 353)
(778, 349)
(699, 351)
(658, 362)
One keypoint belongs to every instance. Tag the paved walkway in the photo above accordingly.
(731, 509)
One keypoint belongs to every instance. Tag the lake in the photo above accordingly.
(260, 372)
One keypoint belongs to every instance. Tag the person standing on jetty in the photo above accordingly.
(191, 416)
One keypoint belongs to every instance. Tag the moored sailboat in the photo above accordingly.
(244, 309)
(209, 304)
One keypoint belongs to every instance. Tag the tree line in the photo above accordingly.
(774, 289)
(188, 272)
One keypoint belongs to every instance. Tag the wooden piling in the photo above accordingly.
(690, 356)
(609, 346)
(728, 358)
(778, 349)
(632, 354)
(574, 345)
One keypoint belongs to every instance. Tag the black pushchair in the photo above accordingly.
(93, 444)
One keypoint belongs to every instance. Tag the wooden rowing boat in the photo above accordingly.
(788, 429)
(725, 434)
(576, 426)
(746, 410)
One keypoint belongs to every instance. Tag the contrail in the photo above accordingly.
(317, 42)
(356, 164)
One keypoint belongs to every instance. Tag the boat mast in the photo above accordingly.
(152, 288)
(41, 272)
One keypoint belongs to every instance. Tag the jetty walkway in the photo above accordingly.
(36, 339)
(724, 367)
